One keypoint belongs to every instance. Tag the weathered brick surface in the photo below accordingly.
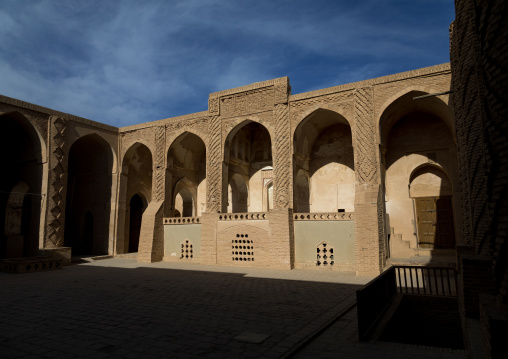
(270, 104)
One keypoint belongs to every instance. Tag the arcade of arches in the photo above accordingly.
(263, 178)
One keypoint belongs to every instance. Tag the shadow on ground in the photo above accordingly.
(110, 312)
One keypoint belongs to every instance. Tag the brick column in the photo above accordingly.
(209, 238)
(369, 198)
(282, 162)
(214, 158)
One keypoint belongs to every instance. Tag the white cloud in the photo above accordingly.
(125, 62)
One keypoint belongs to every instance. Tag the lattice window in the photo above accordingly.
(187, 252)
(324, 256)
(242, 248)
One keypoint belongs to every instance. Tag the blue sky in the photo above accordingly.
(125, 62)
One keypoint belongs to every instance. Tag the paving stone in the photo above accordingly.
(192, 309)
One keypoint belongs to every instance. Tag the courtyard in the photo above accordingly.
(118, 308)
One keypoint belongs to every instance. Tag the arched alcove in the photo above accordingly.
(186, 176)
(88, 205)
(419, 169)
(324, 175)
(135, 182)
(247, 154)
(21, 196)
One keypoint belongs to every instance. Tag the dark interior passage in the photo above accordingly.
(88, 205)
(20, 187)
(137, 208)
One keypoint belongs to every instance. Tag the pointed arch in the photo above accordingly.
(186, 170)
(26, 164)
(419, 162)
(402, 104)
(247, 151)
(89, 196)
(323, 160)
(135, 179)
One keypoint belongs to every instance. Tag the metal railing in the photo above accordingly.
(441, 281)
(377, 295)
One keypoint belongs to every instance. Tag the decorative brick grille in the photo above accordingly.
(187, 252)
(324, 256)
(242, 248)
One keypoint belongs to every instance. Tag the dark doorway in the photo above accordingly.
(136, 214)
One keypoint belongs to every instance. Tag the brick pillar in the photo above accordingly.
(282, 250)
(214, 159)
(209, 238)
(369, 199)
(282, 161)
(59, 150)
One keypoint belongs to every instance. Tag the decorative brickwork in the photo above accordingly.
(332, 216)
(282, 163)
(242, 248)
(365, 137)
(271, 105)
(214, 165)
(159, 167)
(324, 256)
(187, 250)
(180, 220)
(58, 178)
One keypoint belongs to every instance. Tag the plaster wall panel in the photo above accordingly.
(337, 234)
(176, 236)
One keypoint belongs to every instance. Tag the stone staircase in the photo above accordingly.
(400, 248)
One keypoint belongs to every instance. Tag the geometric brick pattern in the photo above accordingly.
(159, 168)
(282, 165)
(365, 139)
(214, 165)
(56, 205)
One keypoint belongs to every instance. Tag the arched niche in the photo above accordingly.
(186, 176)
(432, 193)
(88, 203)
(21, 190)
(323, 172)
(247, 157)
(419, 160)
(135, 179)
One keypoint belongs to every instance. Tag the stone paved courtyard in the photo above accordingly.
(118, 308)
